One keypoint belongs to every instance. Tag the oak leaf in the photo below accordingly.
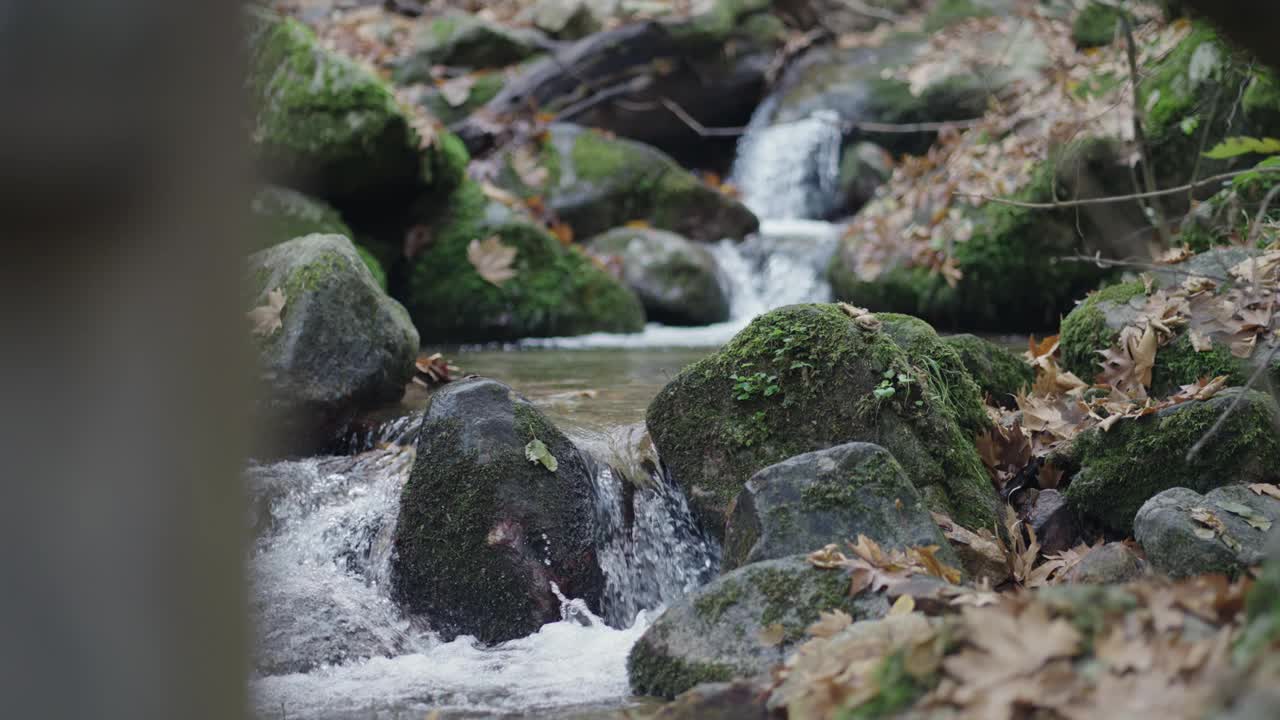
(492, 260)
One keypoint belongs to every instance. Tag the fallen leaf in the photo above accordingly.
(904, 605)
(771, 635)
(536, 451)
(1266, 489)
(829, 623)
(456, 91)
(266, 318)
(1255, 519)
(527, 166)
(492, 260)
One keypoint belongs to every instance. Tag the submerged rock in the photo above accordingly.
(596, 183)
(829, 496)
(324, 124)
(678, 282)
(341, 344)
(1114, 472)
(741, 624)
(484, 531)
(809, 377)
(1179, 545)
(555, 290)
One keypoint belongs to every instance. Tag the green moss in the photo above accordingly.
(1085, 330)
(712, 605)
(999, 372)
(375, 267)
(896, 690)
(1096, 25)
(948, 380)
(653, 673)
(487, 86)
(1261, 100)
(1178, 364)
(796, 602)
(1137, 458)
(280, 214)
(595, 158)
(556, 289)
(1261, 631)
(949, 12)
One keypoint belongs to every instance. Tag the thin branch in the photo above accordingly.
(1059, 204)
(1144, 266)
(875, 127)
(1261, 216)
(1258, 372)
(1148, 170)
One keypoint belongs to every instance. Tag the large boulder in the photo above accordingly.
(555, 290)
(999, 372)
(829, 496)
(596, 183)
(281, 214)
(335, 346)
(324, 124)
(463, 39)
(741, 624)
(1114, 471)
(499, 508)
(809, 377)
(677, 281)
(1224, 530)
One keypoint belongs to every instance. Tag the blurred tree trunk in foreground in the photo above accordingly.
(121, 443)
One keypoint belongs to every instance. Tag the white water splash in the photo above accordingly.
(789, 170)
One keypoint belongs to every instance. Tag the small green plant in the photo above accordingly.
(746, 387)
(890, 384)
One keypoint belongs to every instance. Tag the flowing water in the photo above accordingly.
(331, 642)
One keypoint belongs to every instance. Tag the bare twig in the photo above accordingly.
(875, 127)
(1148, 170)
(1116, 198)
(1144, 266)
(1258, 372)
(1261, 216)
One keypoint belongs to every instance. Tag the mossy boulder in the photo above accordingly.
(485, 86)
(342, 345)
(597, 183)
(999, 372)
(556, 290)
(483, 530)
(464, 40)
(714, 633)
(322, 123)
(570, 19)
(864, 167)
(1010, 278)
(677, 281)
(1227, 218)
(1177, 92)
(948, 378)
(1178, 545)
(829, 496)
(805, 378)
(280, 214)
(1113, 472)
(1096, 24)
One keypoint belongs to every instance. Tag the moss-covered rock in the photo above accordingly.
(1096, 24)
(1114, 472)
(864, 166)
(1177, 545)
(463, 39)
(804, 378)
(342, 345)
(677, 281)
(483, 532)
(324, 124)
(1009, 277)
(1228, 217)
(949, 12)
(999, 372)
(556, 289)
(829, 496)
(485, 88)
(596, 183)
(714, 634)
(281, 214)
(949, 380)
(1095, 324)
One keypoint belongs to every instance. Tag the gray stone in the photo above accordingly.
(742, 699)
(1054, 522)
(677, 281)
(715, 633)
(864, 167)
(342, 345)
(483, 531)
(568, 19)
(465, 40)
(1179, 546)
(1112, 564)
(829, 496)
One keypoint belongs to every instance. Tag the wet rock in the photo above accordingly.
(809, 377)
(864, 166)
(1113, 473)
(715, 634)
(483, 531)
(324, 124)
(281, 214)
(596, 183)
(829, 496)
(1112, 564)
(463, 39)
(341, 345)
(999, 372)
(1054, 522)
(1180, 546)
(555, 290)
(736, 700)
(677, 281)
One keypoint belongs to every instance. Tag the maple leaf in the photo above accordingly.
(829, 623)
(1266, 489)
(266, 318)
(526, 165)
(456, 91)
(492, 260)
(433, 370)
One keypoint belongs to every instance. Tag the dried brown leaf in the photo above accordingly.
(492, 259)
(266, 318)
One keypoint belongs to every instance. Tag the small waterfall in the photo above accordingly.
(789, 171)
